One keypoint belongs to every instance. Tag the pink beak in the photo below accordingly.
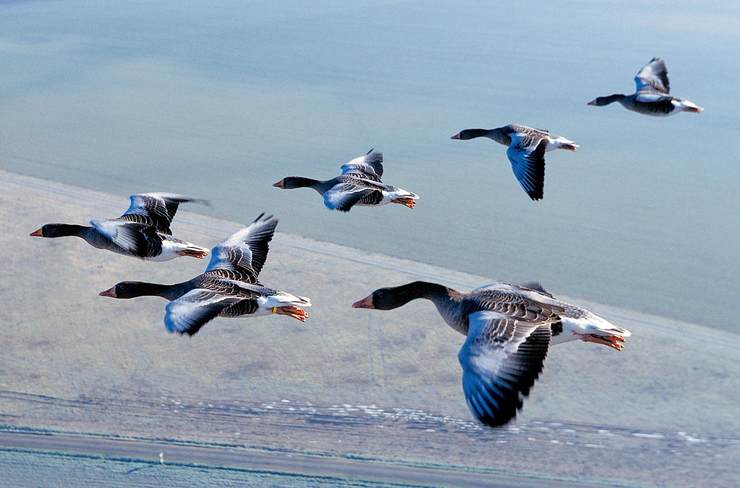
(111, 292)
(366, 302)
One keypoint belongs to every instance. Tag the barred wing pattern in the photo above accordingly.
(368, 166)
(245, 251)
(653, 77)
(157, 209)
(501, 359)
(528, 164)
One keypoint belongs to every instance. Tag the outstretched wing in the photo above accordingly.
(346, 194)
(159, 207)
(528, 164)
(196, 308)
(501, 359)
(246, 250)
(653, 77)
(368, 166)
(135, 238)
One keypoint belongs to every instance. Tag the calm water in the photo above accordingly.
(221, 101)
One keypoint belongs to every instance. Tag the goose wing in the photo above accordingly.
(368, 166)
(246, 250)
(133, 237)
(527, 156)
(193, 310)
(525, 303)
(501, 359)
(351, 191)
(653, 77)
(524, 131)
(157, 209)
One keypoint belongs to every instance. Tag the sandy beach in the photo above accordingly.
(379, 386)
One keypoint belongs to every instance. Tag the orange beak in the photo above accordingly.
(366, 302)
(279, 184)
(456, 136)
(37, 233)
(111, 292)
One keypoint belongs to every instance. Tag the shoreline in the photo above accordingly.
(222, 227)
(614, 290)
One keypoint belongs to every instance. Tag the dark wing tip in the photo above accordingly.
(261, 218)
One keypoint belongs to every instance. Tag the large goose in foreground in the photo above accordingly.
(526, 152)
(652, 94)
(143, 231)
(359, 184)
(509, 329)
(228, 288)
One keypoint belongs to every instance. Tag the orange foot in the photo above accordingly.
(295, 312)
(406, 201)
(615, 342)
(194, 253)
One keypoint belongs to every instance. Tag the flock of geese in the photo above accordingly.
(509, 327)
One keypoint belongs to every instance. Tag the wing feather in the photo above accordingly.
(193, 310)
(159, 207)
(245, 250)
(528, 164)
(653, 77)
(132, 237)
(501, 360)
(369, 166)
(344, 195)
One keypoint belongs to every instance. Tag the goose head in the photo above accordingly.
(58, 230)
(290, 182)
(133, 289)
(601, 101)
(468, 134)
(390, 298)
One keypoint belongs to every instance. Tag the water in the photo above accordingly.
(222, 101)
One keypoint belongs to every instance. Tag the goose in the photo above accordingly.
(527, 148)
(509, 329)
(359, 184)
(651, 95)
(143, 231)
(229, 287)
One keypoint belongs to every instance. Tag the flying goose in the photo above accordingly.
(651, 96)
(143, 231)
(359, 184)
(509, 329)
(527, 148)
(229, 287)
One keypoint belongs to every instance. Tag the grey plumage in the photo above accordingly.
(508, 328)
(652, 93)
(526, 152)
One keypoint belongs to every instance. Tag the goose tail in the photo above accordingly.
(563, 143)
(193, 251)
(690, 106)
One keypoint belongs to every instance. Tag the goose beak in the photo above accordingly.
(456, 136)
(37, 233)
(592, 103)
(366, 302)
(111, 292)
(279, 184)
